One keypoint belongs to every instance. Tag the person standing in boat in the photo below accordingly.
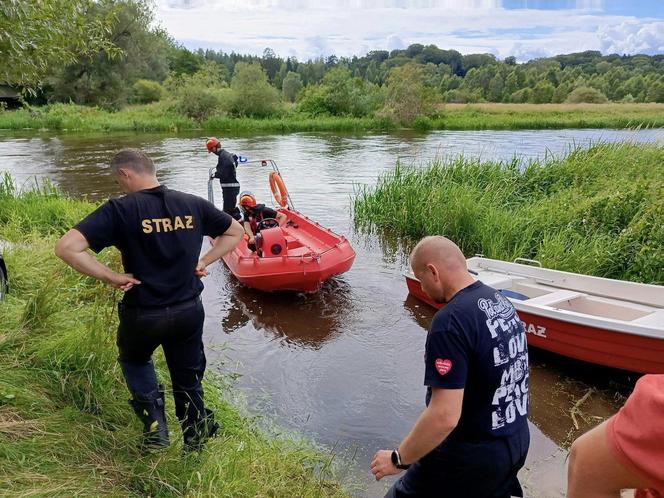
(473, 437)
(159, 233)
(254, 214)
(226, 172)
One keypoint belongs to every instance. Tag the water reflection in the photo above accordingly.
(420, 312)
(304, 320)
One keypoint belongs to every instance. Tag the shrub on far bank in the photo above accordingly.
(407, 97)
(252, 93)
(197, 102)
(291, 86)
(586, 95)
(146, 91)
(340, 94)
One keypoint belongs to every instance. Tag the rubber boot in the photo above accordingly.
(196, 432)
(150, 409)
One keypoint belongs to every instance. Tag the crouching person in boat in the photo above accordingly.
(257, 217)
(159, 233)
(472, 438)
(626, 451)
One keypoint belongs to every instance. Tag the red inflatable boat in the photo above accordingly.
(298, 256)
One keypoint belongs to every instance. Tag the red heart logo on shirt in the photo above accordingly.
(443, 366)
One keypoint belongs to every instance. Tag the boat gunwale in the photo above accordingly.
(579, 318)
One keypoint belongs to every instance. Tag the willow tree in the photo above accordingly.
(407, 97)
(40, 34)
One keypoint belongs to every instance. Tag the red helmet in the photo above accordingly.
(212, 144)
(247, 199)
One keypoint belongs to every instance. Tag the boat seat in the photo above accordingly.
(655, 318)
(298, 251)
(555, 297)
(495, 281)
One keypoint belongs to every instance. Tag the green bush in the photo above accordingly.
(339, 94)
(407, 97)
(586, 94)
(146, 91)
(252, 93)
(522, 96)
(291, 86)
(197, 102)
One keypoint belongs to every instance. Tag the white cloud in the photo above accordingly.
(526, 52)
(394, 42)
(633, 38)
(318, 46)
(353, 27)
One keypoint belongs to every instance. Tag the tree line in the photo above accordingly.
(107, 53)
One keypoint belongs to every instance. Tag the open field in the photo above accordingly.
(542, 116)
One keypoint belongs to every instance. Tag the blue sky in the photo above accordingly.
(523, 28)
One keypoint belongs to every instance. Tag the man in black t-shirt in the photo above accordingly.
(226, 172)
(254, 214)
(473, 437)
(159, 233)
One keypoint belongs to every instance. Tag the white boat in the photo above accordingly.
(604, 321)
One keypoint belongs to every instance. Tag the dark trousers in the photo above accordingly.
(229, 195)
(178, 329)
(466, 470)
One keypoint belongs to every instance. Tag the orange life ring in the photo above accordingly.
(278, 188)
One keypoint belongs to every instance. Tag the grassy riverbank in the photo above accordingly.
(65, 426)
(598, 211)
(160, 116)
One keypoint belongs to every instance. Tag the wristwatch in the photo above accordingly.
(396, 460)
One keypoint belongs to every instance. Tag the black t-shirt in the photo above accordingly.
(258, 213)
(226, 166)
(159, 233)
(477, 342)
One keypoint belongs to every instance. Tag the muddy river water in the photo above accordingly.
(344, 366)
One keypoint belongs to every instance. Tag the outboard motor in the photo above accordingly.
(271, 242)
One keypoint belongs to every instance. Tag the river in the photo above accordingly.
(343, 366)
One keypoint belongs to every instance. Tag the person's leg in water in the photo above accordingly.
(185, 357)
(135, 346)
(229, 195)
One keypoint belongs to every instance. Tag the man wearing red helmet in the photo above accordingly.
(226, 172)
(254, 214)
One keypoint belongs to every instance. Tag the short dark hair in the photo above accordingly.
(134, 159)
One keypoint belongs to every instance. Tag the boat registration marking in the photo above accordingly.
(537, 330)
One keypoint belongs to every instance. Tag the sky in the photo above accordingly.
(525, 29)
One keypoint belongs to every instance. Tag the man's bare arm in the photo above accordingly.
(73, 247)
(223, 244)
(435, 423)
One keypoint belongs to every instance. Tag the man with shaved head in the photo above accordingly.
(473, 437)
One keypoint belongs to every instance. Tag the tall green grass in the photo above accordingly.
(598, 211)
(163, 117)
(65, 426)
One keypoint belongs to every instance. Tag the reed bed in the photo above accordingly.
(65, 426)
(598, 211)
